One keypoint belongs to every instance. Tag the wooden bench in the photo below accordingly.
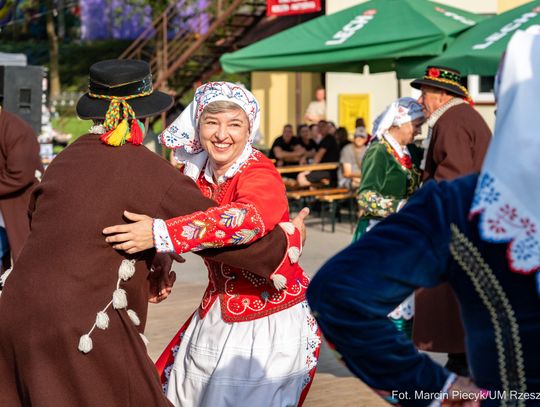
(308, 167)
(307, 197)
(316, 193)
(333, 201)
(328, 198)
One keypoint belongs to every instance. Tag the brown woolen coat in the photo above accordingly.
(459, 142)
(66, 273)
(19, 160)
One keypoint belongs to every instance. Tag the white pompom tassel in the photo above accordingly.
(126, 269)
(294, 254)
(119, 299)
(102, 320)
(4, 276)
(280, 281)
(144, 339)
(134, 317)
(85, 344)
(287, 227)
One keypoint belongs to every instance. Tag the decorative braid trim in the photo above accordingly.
(507, 340)
(453, 83)
(110, 97)
(432, 120)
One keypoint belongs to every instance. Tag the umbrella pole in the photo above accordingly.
(298, 98)
(399, 88)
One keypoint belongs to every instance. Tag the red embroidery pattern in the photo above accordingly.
(216, 227)
(505, 220)
(507, 217)
(243, 295)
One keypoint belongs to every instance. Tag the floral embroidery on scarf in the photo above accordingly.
(505, 220)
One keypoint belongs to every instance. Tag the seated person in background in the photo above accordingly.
(361, 123)
(304, 138)
(330, 128)
(342, 137)
(286, 149)
(351, 160)
(315, 134)
(316, 110)
(328, 152)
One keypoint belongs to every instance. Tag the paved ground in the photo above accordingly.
(333, 386)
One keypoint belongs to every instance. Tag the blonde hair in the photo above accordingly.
(220, 106)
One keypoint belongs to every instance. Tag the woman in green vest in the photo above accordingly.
(390, 175)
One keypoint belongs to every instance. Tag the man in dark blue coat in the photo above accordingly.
(480, 233)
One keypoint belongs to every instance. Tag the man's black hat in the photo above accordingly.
(123, 79)
(443, 78)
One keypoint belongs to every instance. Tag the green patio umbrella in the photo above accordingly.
(376, 33)
(478, 51)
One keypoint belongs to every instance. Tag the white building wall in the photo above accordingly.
(382, 87)
(475, 6)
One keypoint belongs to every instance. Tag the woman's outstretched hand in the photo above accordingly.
(133, 237)
(298, 222)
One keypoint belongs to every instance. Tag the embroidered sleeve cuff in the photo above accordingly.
(162, 240)
(374, 204)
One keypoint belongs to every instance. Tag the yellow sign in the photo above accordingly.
(352, 107)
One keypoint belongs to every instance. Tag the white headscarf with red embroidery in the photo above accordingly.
(507, 196)
(183, 134)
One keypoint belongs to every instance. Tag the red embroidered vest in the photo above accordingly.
(245, 296)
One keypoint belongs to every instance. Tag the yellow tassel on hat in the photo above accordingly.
(117, 136)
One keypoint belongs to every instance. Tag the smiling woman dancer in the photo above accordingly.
(253, 340)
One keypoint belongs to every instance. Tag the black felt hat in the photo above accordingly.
(122, 78)
(442, 78)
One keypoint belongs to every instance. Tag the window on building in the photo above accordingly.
(481, 88)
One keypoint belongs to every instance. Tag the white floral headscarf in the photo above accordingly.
(183, 134)
(507, 195)
(397, 113)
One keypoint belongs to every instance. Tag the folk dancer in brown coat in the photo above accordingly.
(457, 141)
(19, 165)
(73, 309)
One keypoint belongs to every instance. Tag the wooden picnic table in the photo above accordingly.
(308, 167)
(315, 192)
